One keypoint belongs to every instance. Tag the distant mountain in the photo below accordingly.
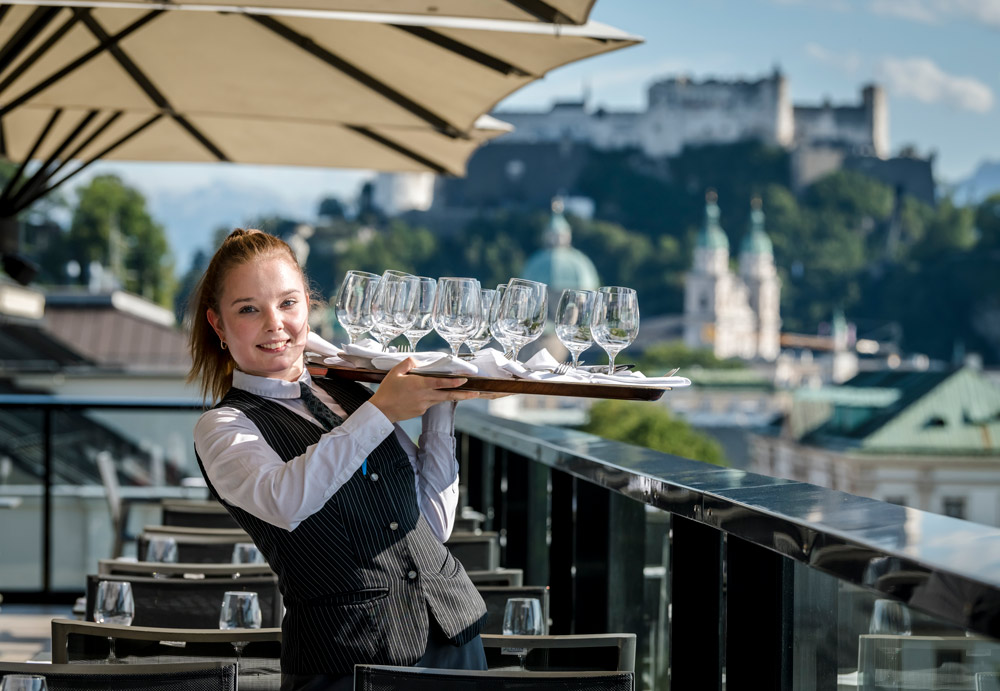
(191, 216)
(981, 184)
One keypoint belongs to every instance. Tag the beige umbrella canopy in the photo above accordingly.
(129, 81)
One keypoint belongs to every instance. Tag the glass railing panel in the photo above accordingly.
(22, 450)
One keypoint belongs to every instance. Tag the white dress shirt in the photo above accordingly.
(247, 473)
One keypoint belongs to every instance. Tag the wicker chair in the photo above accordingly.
(385, 678)
(201, 676)
(596, 652)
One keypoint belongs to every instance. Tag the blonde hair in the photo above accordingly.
(210, 363)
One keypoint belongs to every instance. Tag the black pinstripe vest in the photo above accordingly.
(359, 575)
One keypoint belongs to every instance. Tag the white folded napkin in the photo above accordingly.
(319, 345)
(490, 362)
(439, 363)
(639, 379)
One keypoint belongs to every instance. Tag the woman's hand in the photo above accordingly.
(400, 397)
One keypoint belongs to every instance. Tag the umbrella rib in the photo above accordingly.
(465, 50)
(359, 75)
(399, 148)
(26, 33)
(79, 62)
(8, 189)
(43, 174)
(40, 51)
(542, 10)
(154, 94)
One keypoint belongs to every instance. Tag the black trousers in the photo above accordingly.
(439, 653)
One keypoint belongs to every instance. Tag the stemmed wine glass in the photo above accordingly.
(573, 315)
(354, 302)
(522, 312)
(23, 682)
(522, 616)
(422, 325)
(458, 310)
(481, 337)
(500, 336)
(393, 306)
(240, 610)
(247, 553)
(114, 605)
(616, 321)
(162, 549)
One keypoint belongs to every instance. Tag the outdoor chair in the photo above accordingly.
(150, 569)
(82, 641)
(194, 513)
(200, 676)
(119, 507)
(497, 577)
(196, 545)
(386, 678)
(596, 652)
(496, 598)
(189, 604)
(468, 520)
(477, 551)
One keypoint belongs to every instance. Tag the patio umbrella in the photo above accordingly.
(192, 82)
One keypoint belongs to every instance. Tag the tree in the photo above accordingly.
(988, 222)
(112, 227)
(669, 354)
(651, 426)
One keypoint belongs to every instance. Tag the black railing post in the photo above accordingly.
(759, 596)
(478, 466)
(562, 598)
(47, 501)
(527, 520)
(696, 603)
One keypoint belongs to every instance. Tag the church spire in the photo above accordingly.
(711, 235)
(756, 240)
(559, 233)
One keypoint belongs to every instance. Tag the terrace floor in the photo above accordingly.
(25, 630)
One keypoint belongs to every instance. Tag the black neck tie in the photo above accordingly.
(317, 408)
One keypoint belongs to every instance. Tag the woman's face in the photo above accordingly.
(263, 317)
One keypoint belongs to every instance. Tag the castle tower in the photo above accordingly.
(705, 285)
(763, 285)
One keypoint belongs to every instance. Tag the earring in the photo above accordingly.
(223, 344)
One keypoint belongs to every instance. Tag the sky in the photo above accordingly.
(939, 61)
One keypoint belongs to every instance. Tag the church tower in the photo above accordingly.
(705, 284)
(763, 285)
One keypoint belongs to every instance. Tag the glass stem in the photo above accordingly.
(576, 358)
(111, 650)
(611, 361)
(351, 337)
(523, 659)
(514, 350)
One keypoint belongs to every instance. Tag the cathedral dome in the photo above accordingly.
(560, 265)
(711, 236)
(756, 240)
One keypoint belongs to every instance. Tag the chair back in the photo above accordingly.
(477, 551)
(386, 678)
(496, 596)
(196, 513)
(595, 652)
(198, 676)
(189, 604)
(497, 577)
(83, 641)
(148, 569)
(196, 545)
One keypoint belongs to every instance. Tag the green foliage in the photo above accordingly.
(652, 426)
(658, 359)
(988, 221)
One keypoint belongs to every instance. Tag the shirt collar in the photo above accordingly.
(271, 388)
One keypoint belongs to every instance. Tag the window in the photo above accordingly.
(954, 507)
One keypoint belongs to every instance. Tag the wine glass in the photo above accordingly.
(522, 312)
(500, 337)
(458, 310)
(393, 305)
(23, 682)
(114, 605)
(482, 336)
(354, 301)
(240, 610)
(573, 315)
(247, 553)
(162, 549)
(425, 312)
(522, 616)
(616, 321)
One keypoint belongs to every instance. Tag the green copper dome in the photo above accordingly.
(756, 240)
(561, 268)
(711, 236)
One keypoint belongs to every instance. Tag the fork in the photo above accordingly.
(562, 368)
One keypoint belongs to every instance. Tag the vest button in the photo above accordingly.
(394, 526)
(411, 575)
(374, 477)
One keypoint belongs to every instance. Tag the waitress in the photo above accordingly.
(350, 514)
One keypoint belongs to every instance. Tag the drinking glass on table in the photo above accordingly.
(247, 553)
(23, 682)
(615, 323)
(240, 610)
(522, 616)
(422, 325)
(162, 549)
(573, 315)
(394, 305)
(354, 302)
(522, 312)
(458, 310)
(114, 605)
(478, 340)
